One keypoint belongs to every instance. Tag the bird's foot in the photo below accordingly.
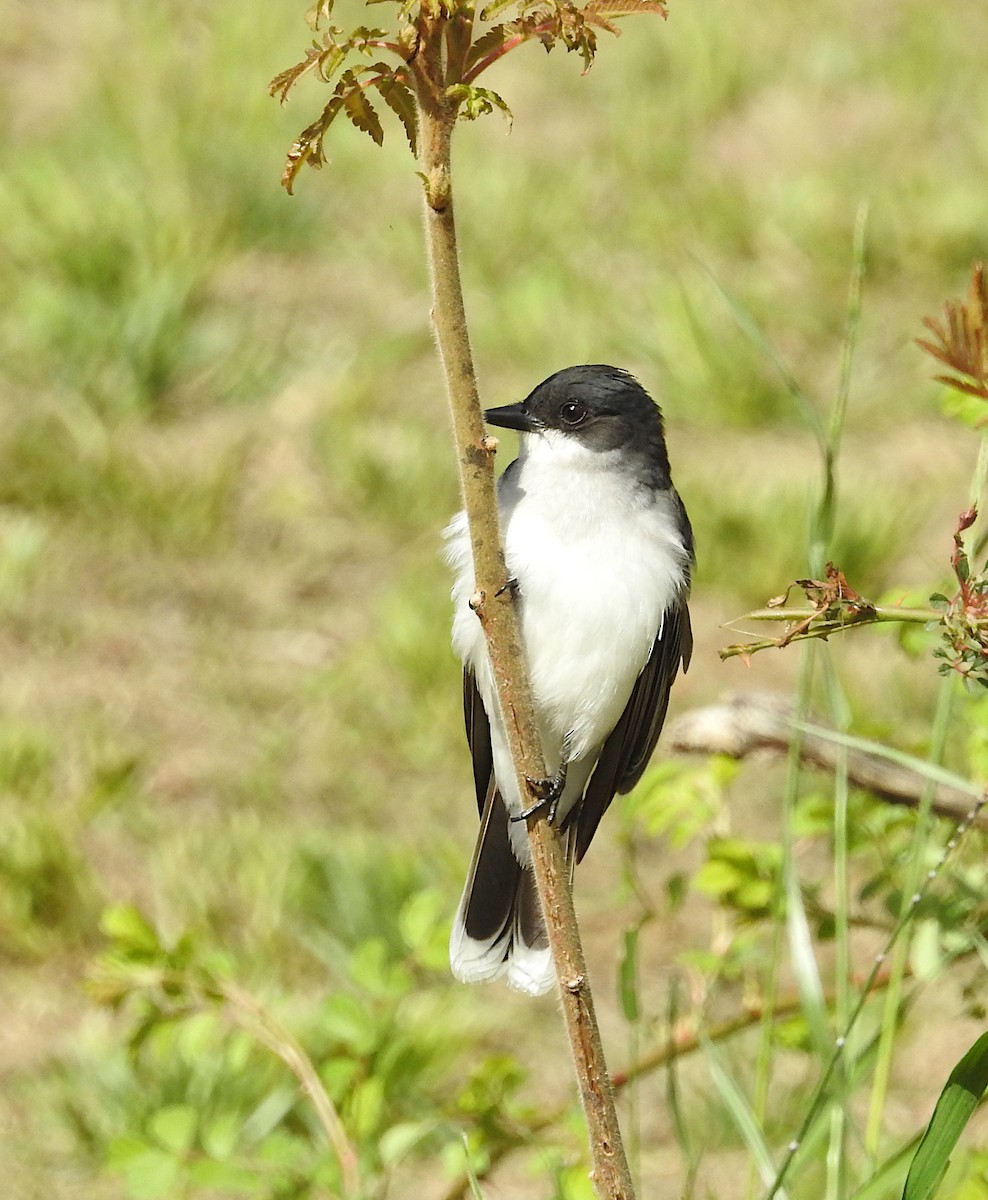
(548, 793)
(509, 585)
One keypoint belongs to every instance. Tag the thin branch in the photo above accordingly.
(495, 607)
(256, 1019)
(810, 623)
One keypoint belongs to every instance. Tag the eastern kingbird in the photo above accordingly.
(599, 551)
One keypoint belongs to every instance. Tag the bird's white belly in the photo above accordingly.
(591, 609)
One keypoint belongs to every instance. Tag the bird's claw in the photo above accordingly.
(509, 585)
(548, 793)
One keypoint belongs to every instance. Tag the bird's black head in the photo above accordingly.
(604, 408)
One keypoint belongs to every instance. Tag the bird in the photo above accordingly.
(599, 554)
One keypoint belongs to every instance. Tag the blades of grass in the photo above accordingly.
(930, 771)
(819, 536)
(751, 329)
(826, 511)
(881, 1183)
(893, 994)
(958, 1100)
(879, 961)
(741, 1113)
(475, 1192)
(840, 712)
(674, 1099)
(763, 1065)
(804, 962)
(835, 1153)
(630, 1000)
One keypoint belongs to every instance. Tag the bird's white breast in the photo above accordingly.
(597, 562)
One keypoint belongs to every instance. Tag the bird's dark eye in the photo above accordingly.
(572, 413)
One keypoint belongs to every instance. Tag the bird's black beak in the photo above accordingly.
(512, 416)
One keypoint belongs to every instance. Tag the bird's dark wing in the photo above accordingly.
(629, 747)
(501, 903)
(478, 738)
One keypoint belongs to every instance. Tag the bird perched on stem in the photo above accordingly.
(599, 551)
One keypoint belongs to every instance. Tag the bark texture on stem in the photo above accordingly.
(433, 66)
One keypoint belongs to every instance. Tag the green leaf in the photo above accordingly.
(372, 969)
(968, 410)
(366, 1107)
(215, 1176)
(147, 1171)
(424, 925)
(400, 100)
(958, 1100)
(175, 1127)
(347, 1021)
(925, 956)
(320, 11)
(131, 930)
(628, 975)
(260, 1123)
(476, 102)
(220, 1134)
(717, 878)
(359, 109)
(399, 1140)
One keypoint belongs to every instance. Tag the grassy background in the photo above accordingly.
(226, 691)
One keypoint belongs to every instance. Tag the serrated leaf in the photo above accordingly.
(476, 102)
(285, 80)
(397, 96)
(363, 34)
(492, 10)
(603, 10)
(307, 147)
(490, 42)
(958, 1100)
(324, 57)
(359, 109)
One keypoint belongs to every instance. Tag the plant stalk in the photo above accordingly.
(494, 605)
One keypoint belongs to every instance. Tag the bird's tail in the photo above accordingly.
(499, 928)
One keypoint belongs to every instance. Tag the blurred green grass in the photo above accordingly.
(224, 460)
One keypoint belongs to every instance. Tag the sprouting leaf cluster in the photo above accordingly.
(441, 48)
(964, 617)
